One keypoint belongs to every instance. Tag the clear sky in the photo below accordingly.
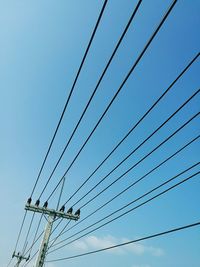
(42, 44)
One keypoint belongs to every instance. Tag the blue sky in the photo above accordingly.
(42, 44)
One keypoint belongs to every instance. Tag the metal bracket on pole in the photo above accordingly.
(19, 257)
(52, 212)
(52, 215)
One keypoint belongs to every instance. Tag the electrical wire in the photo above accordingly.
(122, 84)
(26, 263)
(54, 240)
(70, 94)
(96, 87)
(129, 242)
(171, 116)
(186, 68)
(131, 153)
(133, 184)
(35, 236)
(64, 110)
(29, 228)
(60, 193)
(20, 231)
(9, 263)
(194, 116)
(66, 104)
(35, 242)
(134, 208)
(56, 226)
(171, 179)
(134, 127)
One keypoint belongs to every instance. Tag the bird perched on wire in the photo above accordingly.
(70, 210)
(62, 209)
(78, 212)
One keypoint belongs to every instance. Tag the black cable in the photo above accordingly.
(123, 83)
(174, 177)
(29, 228)
(133, 128)
(131, 153)
(97, 86)
(134, 208)
(56, 226)
(34, 239)
(129, 242)
(56, 238)
(31, 258)
(133, 184)
(66, 104)
(123, 207)
(137, 163)
(62, 187)
(9, 262)
(20, 231)
(121, 176)
(71, 91)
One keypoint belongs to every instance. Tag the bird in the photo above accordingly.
(29, 201)
(45, 204)
(78, 212)
(70, 210)
(37, 203)
(62, 209)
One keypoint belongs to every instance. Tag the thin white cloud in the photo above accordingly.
(94, 243)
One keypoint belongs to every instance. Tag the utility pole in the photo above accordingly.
(52, 215)
(19, 257)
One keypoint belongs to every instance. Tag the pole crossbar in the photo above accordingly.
(52, 215)
(52, 212)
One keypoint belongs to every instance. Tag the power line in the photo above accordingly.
(189, 99)
(56, 238)
(133, 128)
(131, 153)
(129, 242)
(123, 207)
(56, 227)
(65, 107)
(20, 231)
(128, 204)
(35, 242)
(70, 94)
(29, 228)
(180, 128)
(31, 259)
(9, 262)
(134, 208)
(133, 184)
(96, 87)
(123, 83)
(35, 236)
